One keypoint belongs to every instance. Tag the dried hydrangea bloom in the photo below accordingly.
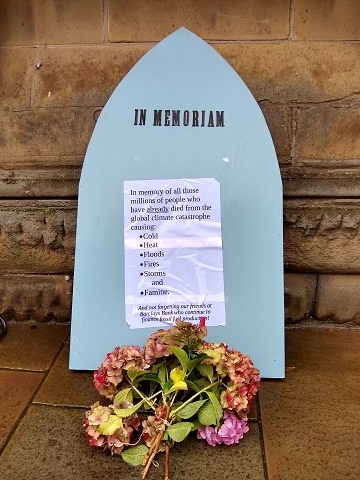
(155, 347)
(217, 356)
(151, 427)
(110, 374)
(185, 334)
(239, 368)
(119, 438)
(235, 397)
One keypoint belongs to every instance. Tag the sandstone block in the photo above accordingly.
(34, 22)
(16, 67)
(44, 132)
(274, 72)
(40, 298)
(140, 21)
(37, 236)
(327, 133)
(292, 72)
(322, 236)
(279, 120)
(338, 298)
(335, 20)
(82, 75)
(300, 292)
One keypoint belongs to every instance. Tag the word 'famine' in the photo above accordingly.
(176, 118)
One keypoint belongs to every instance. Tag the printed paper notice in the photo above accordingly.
(173, 252)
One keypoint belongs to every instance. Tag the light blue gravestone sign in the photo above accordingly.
(182, 114)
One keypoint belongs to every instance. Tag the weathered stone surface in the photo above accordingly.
(324, 133)
(82, 75)
(41, 298)
(277, 72)
(300, 292)
(322, 235)
(16, 67)
(37, 236)
(30, 135)
(320, 182)
(338, 298)
(51, 182)
(297, 72)
(139, 21)
(29, 22)
(279, 120)
(324, 20)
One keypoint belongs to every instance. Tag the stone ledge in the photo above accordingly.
(322, 236)
(40, 298)
(37, 236)
(300, 291)
(338, 298)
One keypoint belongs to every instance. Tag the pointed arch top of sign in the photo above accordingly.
(182, 73)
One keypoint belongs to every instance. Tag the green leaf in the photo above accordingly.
(190, 409)
(207, 415)
(216, 406)
(162, 373)
(151, 376)
(109, 427)
(192, 363)
(177, 375)
(196, 425)
(167, 385)
(126, 412)
(179, 431)
(201, 383)
(178, 386)
(133, 373)
(192, 386)
(206, 370)
(134, 455)
(181, 355)
(124, 396)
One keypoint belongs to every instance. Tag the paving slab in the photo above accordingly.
(67, 387)
(311, 420)
(32, 346)
(50, 444)
(16, 390)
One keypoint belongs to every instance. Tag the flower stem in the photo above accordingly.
(174, 412)
(167, 461)
(145, 398)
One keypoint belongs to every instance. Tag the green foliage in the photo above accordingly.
(134, 455)
(124, 395)
(190, 409)
(179, 431)
(181, 355)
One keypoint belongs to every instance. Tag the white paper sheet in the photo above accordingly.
(173, 252)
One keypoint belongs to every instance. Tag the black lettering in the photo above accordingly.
(195, 122)
(220, 118)
(157, 118)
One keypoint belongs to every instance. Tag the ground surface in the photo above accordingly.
(304, 427)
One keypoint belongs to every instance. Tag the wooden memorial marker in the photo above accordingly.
(180, 131)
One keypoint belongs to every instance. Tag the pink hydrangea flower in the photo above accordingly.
(231, 431)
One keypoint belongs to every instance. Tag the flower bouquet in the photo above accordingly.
(177, 384)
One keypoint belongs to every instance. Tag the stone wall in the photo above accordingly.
(60, 61)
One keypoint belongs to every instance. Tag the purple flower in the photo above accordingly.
(231, 431)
